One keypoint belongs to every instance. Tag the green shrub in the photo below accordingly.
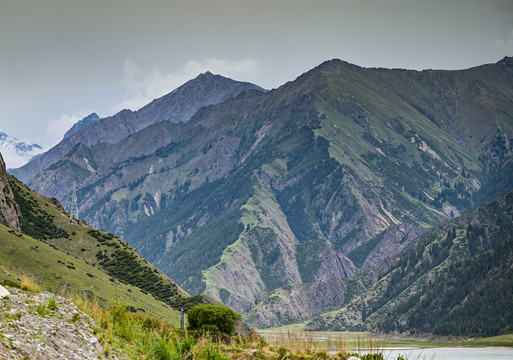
(11, 283)
(52, 304)
(42, 310)
(75, 318)
(212, 318)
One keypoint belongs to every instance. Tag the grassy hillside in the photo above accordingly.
(55, 271)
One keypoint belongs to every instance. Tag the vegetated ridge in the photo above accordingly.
(456, 280)
(287, 203)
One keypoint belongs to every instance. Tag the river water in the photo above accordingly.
(447, 353)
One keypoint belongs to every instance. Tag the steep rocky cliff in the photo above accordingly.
(9, 209)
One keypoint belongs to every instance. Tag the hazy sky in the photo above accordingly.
(61, 60)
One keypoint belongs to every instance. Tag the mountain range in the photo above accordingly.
(177, 106)
(283, 204)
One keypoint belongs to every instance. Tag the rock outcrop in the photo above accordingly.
(9, 210)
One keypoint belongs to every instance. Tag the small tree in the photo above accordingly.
(212, 318)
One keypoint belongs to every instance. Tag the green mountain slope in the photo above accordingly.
(457, 280)
(45, 220)
(299, 190)
(69, 257)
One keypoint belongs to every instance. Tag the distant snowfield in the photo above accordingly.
(17, 152)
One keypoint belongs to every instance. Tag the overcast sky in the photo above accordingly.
(61, 60)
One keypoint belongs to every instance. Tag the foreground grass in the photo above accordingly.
(138, 336)
(42, 267)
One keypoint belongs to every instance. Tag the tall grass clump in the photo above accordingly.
(29, 284)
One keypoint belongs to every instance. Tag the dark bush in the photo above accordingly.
(212, 318)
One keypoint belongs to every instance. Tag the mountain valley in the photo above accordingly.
(456, 280)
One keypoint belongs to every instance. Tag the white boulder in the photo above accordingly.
(4, 292)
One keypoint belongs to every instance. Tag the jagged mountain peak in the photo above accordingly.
(336, 62)
(89, 119)
(507, 61)
(91, 116)
(205, 89)
(206, 74)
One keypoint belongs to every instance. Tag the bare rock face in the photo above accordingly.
(397, 237)
(9, 210)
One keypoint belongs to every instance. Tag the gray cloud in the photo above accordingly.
(59, 57)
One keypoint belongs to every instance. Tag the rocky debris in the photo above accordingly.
(396, 238)
(9, 210)
(297, 303)
(45, 326)
(243, 330)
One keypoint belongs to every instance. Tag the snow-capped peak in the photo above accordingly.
(17, 152)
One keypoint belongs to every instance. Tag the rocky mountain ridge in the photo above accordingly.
(88, 120)
(177, 106)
